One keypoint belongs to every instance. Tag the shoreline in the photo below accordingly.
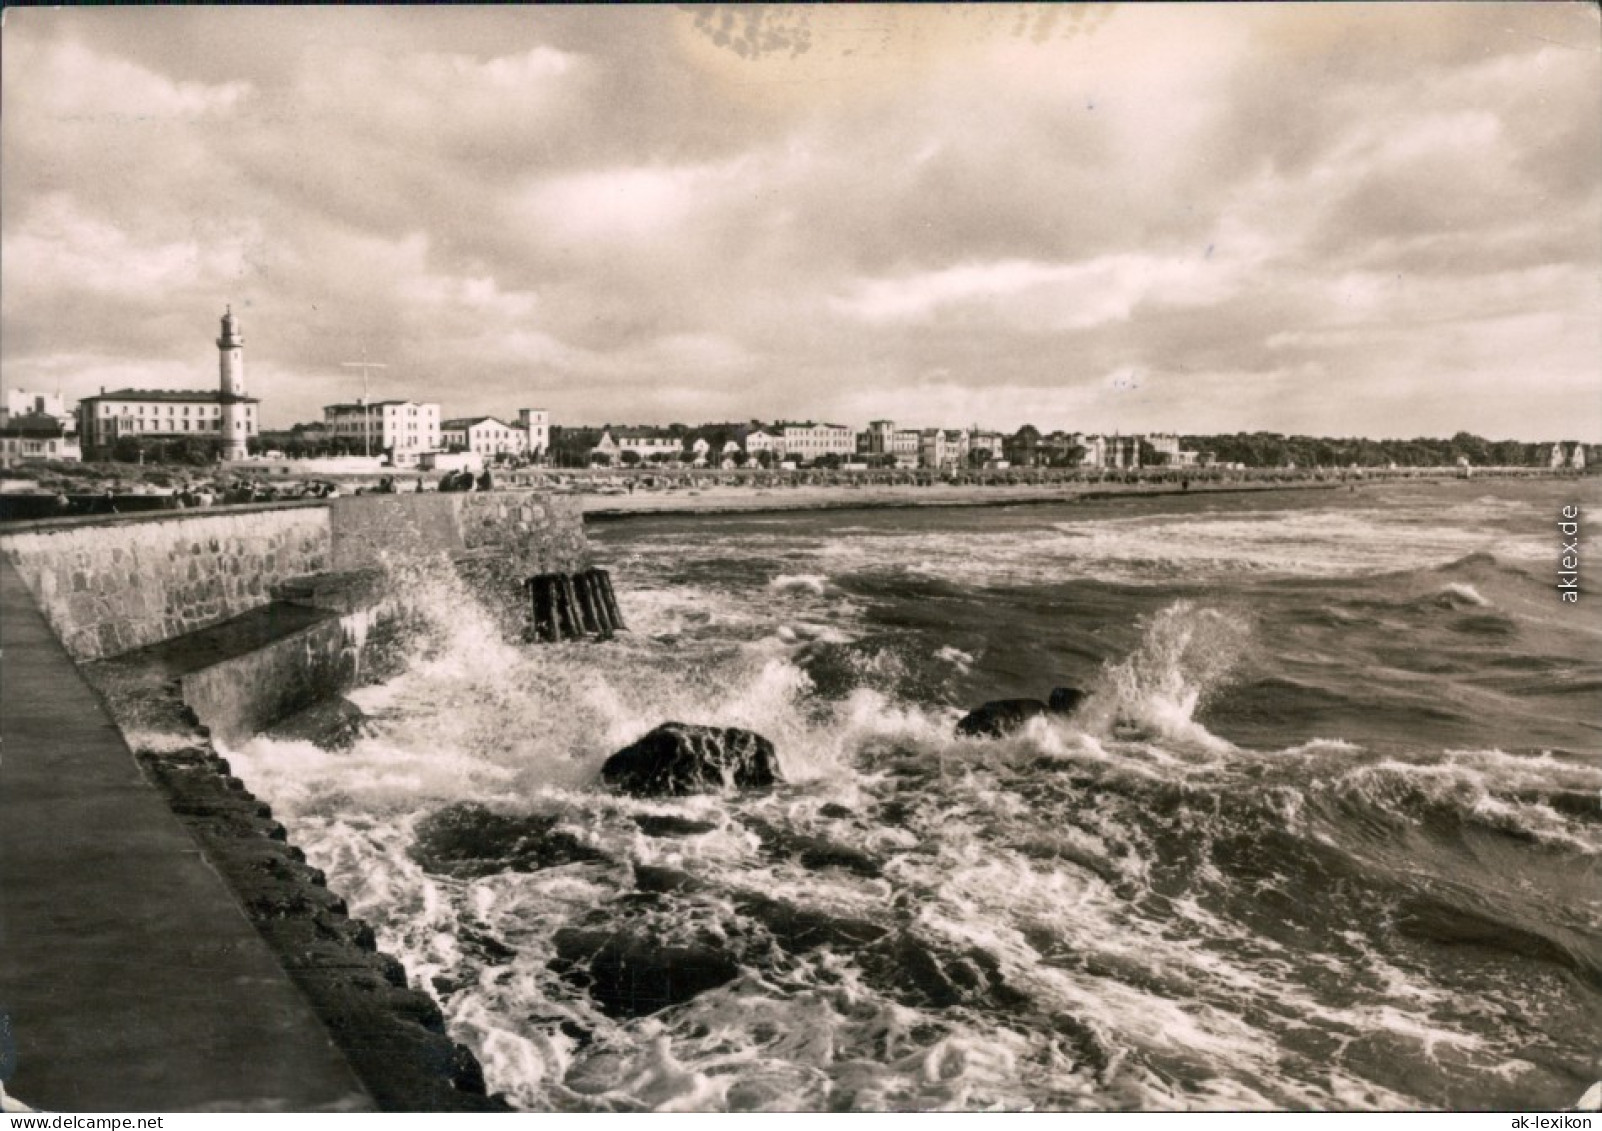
(749, 500)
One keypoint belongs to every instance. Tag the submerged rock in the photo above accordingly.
(469, 841)
(332, 724)
(677, 758)
(1001, 717)
(653, 879)
(1064, 700)
(631, 974)
(667, 825)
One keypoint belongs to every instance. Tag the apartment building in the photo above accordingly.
(108, 417)
(805, 442)
(401, 430)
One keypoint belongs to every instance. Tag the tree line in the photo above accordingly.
(1271, 449)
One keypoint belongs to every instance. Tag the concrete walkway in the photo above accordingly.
(130, 979)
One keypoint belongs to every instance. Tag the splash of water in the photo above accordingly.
(1186, 654)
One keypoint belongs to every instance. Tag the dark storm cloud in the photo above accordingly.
(1373, 218)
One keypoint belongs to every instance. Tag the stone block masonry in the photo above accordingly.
(110, 585)
(531, 532)
(106, 587)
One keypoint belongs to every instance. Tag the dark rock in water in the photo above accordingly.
(999, 717)
(824, 854)
(1064, 700)
(668, 825)
(333, 724)
(676, 759)
(469, 841)
(799, 930)
(656, 880)
(632, 975)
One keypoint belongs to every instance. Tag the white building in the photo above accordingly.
(942, 448)
(643, 442)
(882, 438)
(536, 426)
(25, 437)
(401, 430)
(808, 441)
(225, 416)
(1166, 446)
(484, 435)
(529, 438)
(20, 402)
(163, 413)
(982, 440)
(762, 440)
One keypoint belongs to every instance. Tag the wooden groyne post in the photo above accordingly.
(568, 606)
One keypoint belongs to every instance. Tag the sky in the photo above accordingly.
(1330, 219)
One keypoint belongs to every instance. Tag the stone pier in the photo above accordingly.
(161, 947)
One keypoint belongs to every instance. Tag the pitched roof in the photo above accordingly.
(34, 424)
(176, 396)
(357, 406)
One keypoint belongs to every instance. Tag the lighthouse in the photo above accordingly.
(231, 367)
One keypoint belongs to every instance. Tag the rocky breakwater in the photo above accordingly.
(392, 1035)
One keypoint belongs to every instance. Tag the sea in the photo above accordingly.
(1325, 833)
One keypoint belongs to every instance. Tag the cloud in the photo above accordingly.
(61, 249)
(71, 81)
(1084, 216)
(626, 204)
(1042, 296)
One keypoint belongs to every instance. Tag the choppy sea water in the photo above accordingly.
(1327, 833)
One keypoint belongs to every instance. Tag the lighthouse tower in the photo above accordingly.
(231, 364)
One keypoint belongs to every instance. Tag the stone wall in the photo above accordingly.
(114, 584)
(109, 586)
(245, 694)
(541, 533)
(531, 531)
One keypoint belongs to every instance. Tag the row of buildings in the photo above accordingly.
(39, 426)
(410, 433)
(407, 433)
(883, 444)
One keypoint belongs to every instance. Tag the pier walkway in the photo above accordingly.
(130, 979)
